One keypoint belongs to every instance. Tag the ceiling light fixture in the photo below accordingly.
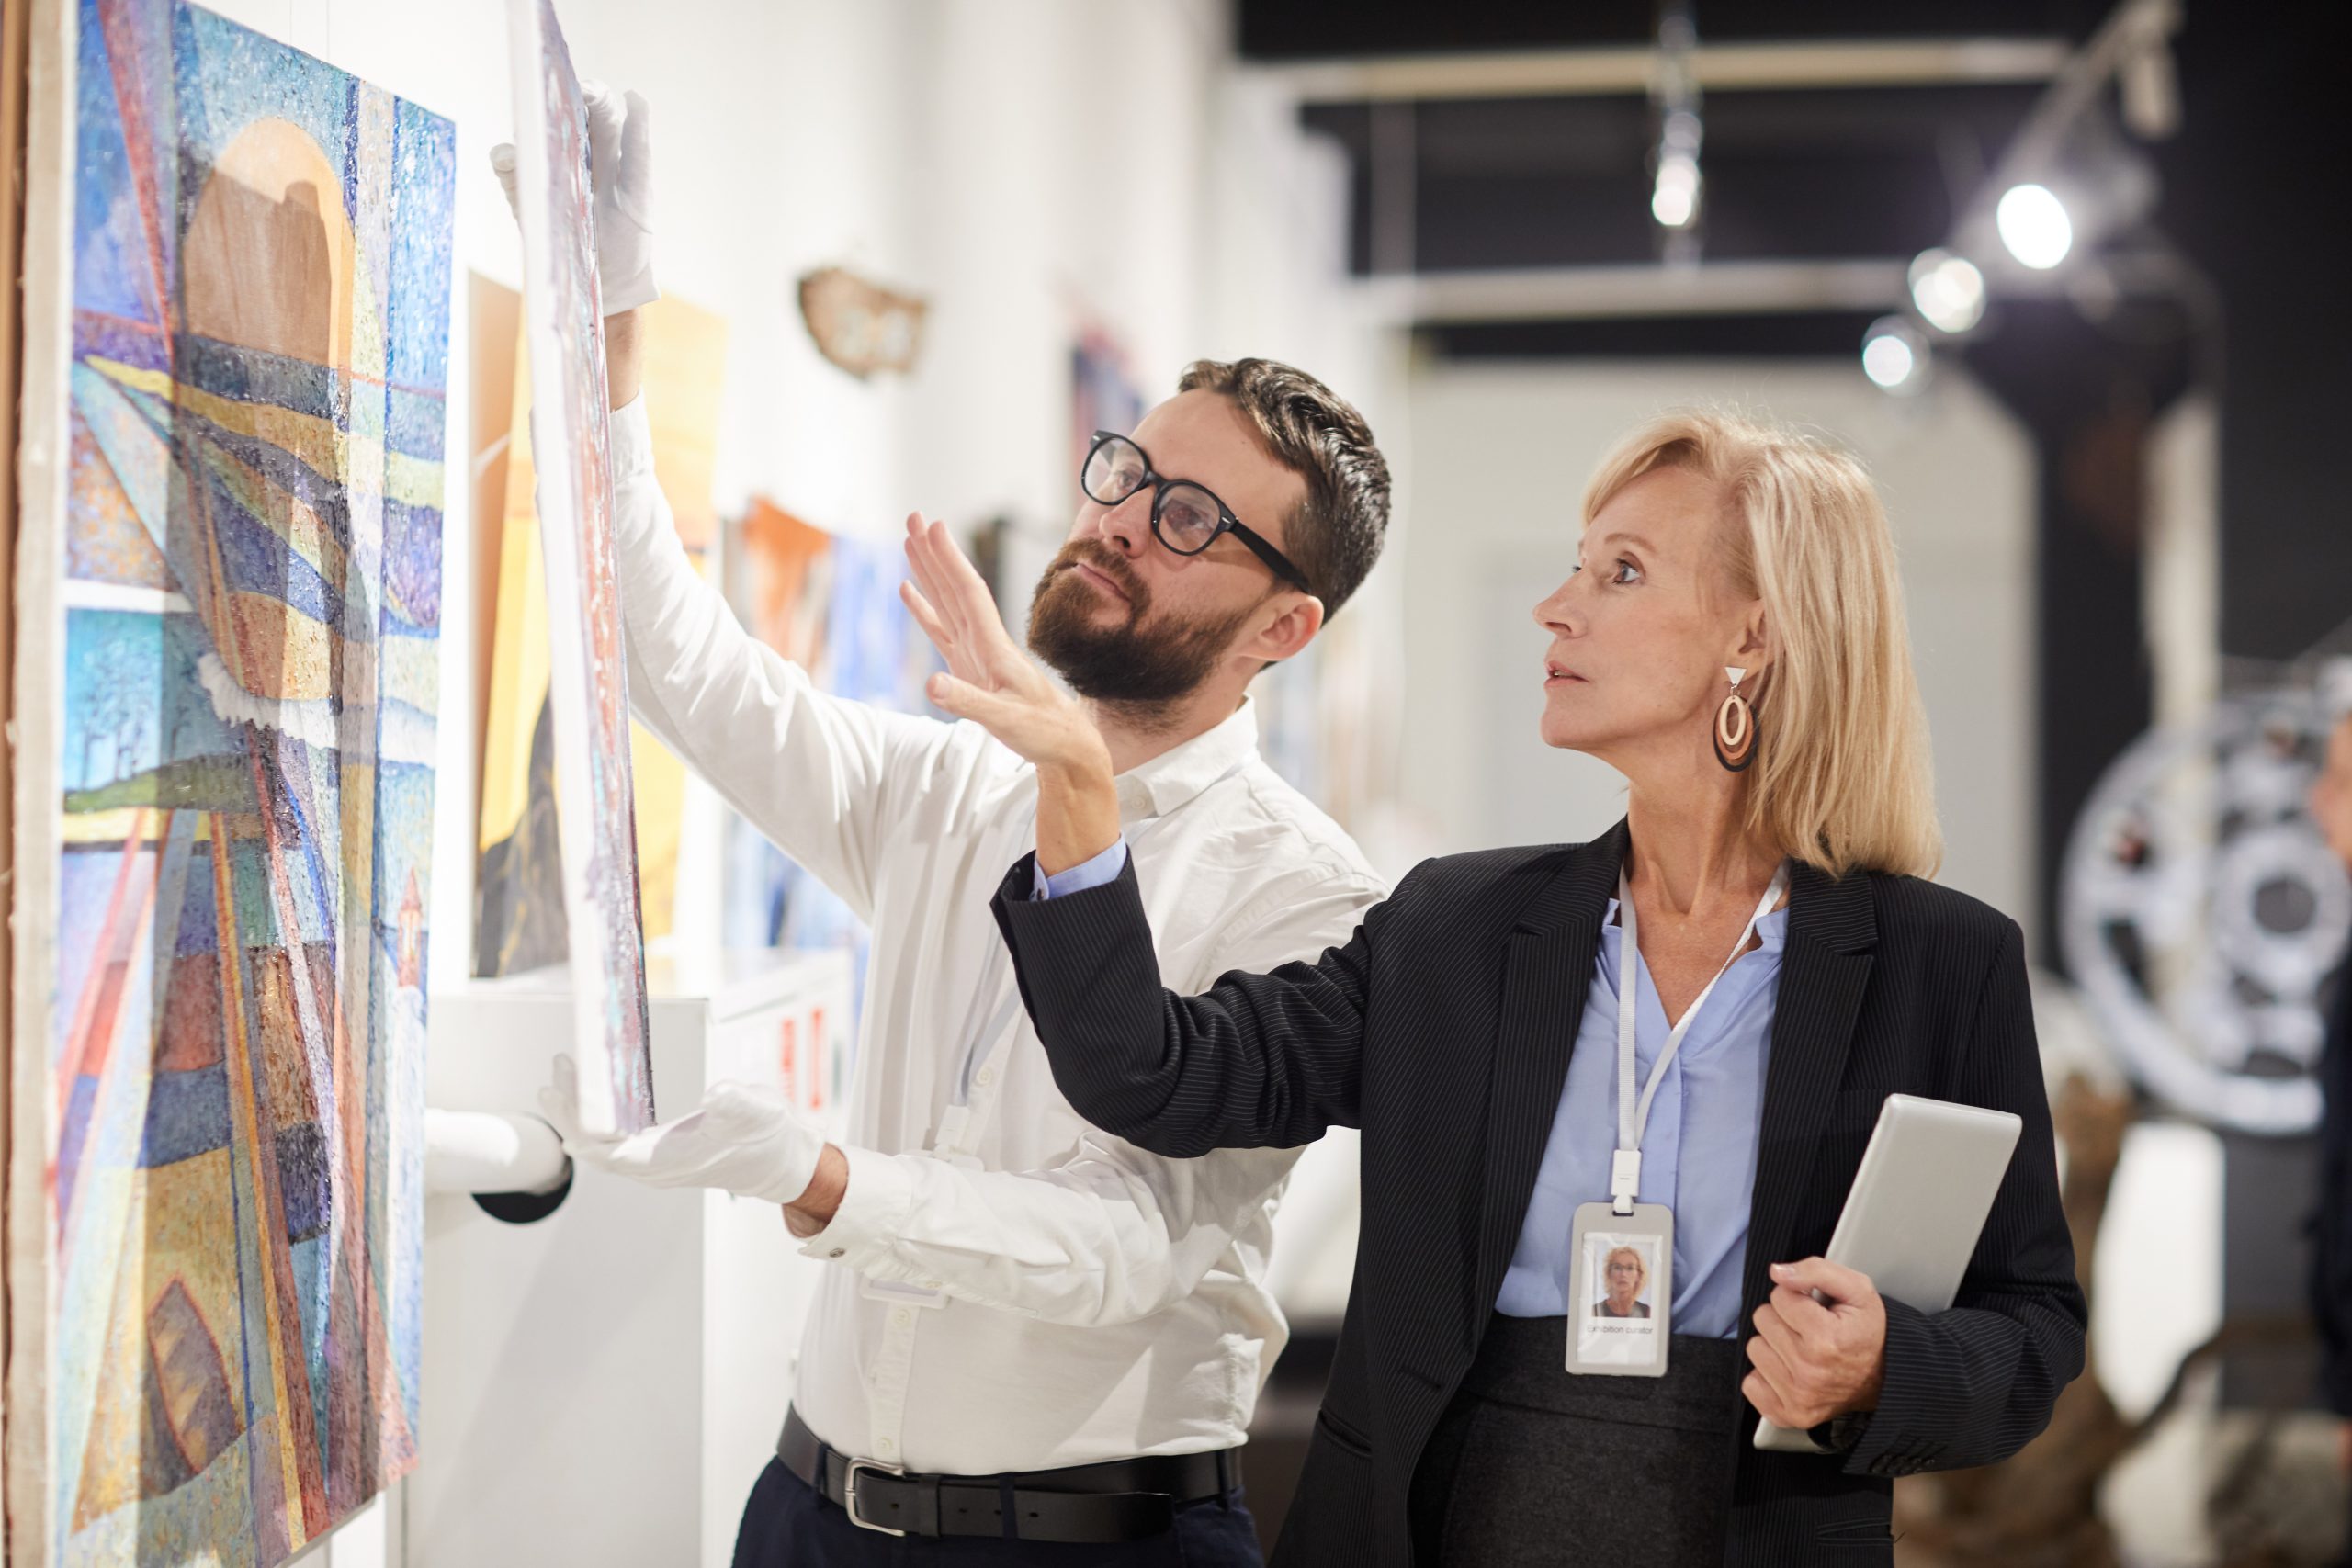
(1894, 355)
(2034, 225)
(1948, 290)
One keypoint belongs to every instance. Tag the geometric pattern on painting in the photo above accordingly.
(256, 395)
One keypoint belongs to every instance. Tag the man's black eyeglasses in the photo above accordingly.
(1185, 516)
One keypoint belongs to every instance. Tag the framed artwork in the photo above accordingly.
(237, 291)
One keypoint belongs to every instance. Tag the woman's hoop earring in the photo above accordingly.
(1735, 727)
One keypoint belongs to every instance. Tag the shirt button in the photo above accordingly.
(884, 1445)
(985, 1076)
(932, 1285)
(900, 1318)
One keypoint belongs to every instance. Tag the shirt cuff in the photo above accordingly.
(875, 1202)
(632, 441)
(1100, 872)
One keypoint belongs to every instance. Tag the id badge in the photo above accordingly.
(1620, 1288)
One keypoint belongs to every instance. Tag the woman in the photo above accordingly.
(1625, 1276)
(1732, 641)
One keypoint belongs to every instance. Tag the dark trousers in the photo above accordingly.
(788, 1525)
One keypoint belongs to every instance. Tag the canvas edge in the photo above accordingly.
(41, 462)
(600, 1111)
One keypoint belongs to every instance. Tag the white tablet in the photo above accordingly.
(1919, 1204)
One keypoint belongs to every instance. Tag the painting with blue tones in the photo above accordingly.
(249, 590)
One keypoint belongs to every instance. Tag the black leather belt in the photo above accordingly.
(1123, 1499)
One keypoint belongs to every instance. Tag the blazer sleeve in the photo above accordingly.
(1260, 1061)
(1974, 1384)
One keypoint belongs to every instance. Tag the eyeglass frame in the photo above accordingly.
(1227, 523)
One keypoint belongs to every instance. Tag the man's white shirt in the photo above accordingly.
(1016, 1290)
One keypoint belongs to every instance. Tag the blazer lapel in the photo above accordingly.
(1824, 969)
(1546, 973)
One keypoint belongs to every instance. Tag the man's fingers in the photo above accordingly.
(966, 576)
(964, 700)
(1835, 1280)
(502, 164)
(606, 114)
(927, 618)
(637, 153)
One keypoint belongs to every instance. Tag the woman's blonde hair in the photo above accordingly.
(1841, 776)
(1633, 1252)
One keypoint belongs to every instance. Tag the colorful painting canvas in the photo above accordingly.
(520, 921)
(588, 681)
(237, 296)
(779, 582)
(831, 603)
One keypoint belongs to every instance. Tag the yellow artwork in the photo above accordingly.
(520, 919)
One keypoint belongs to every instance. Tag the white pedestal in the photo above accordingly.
(604, 1385)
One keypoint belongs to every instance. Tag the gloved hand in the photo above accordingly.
(743, 1140)
(620, 173)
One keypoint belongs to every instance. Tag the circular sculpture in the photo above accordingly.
(2201, 914)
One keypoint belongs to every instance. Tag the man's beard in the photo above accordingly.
(1130, 666)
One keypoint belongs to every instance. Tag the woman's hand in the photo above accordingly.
(993, 681)
(1817, 1359)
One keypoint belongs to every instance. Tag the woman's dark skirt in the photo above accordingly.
(1532, 1465)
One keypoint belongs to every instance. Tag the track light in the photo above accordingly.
(1948, 290)
(1894, 355)
(2034, 225)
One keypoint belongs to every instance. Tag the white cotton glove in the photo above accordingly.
(620, 171)
(743, 1140)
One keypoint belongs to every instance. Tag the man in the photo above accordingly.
(1028, 1315)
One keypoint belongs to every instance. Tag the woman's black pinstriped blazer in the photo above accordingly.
(1442, 1030)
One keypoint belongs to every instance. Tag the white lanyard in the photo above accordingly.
(1625, 1170)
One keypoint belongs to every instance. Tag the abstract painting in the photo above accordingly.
(237, 357)
(520, 923)
(588, 680)
(829, 603)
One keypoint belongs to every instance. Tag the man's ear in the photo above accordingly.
(1287, 634)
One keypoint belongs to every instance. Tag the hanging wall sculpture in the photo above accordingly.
(587, 679)
(237, 307)
(2202, 914)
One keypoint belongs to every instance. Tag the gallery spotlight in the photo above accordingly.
(2034, 225)
(1948, 290)
(1675, 201)
(1894, 355)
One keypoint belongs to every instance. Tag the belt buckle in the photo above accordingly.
(849, 1492)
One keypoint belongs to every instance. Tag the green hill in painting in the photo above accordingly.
(200, 784)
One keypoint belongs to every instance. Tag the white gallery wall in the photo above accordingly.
(1502, 452)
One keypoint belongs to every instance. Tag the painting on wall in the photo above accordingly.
(520, 923)
(587, 677)
(779, 583)
(237, 306)
(829, 603)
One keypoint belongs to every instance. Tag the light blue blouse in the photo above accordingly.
(1698, 1152)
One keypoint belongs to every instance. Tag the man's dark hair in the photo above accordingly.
(1335, 535)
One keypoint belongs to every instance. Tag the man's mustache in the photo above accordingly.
(1110, 563)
